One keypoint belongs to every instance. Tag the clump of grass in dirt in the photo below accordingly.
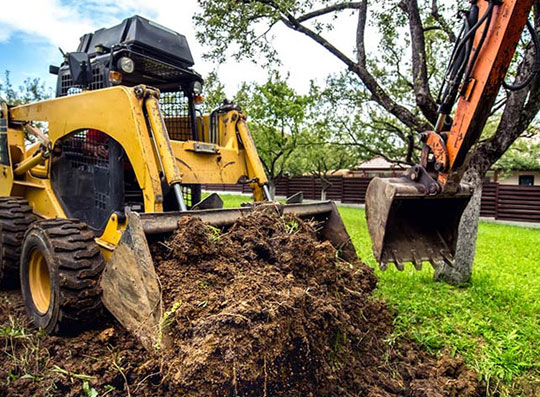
(213, 233)
(103, 361)
(22, 348)
(165, 322)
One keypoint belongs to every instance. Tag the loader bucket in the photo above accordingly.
(130, 285)
(407, 225)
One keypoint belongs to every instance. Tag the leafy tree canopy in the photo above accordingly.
(32, 90)
(276, 116)
(292, 132)
(524, 155)
(382, 98)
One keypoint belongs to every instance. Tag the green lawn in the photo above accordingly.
(494, 324)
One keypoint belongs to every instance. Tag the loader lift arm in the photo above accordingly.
(415, 218)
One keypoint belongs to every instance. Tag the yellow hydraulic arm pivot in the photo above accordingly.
(163, 144)
(253, 160)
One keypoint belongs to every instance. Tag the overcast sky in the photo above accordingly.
(32, 30)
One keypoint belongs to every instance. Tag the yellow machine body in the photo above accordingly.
(119, 112)
(132, 117)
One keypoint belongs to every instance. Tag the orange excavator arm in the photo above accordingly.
(415, 217)
(488, 66)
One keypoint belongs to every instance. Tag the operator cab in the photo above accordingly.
(137, 51)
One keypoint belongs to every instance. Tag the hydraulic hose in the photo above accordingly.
(536, 67)
(473, 30)
(461, 55)
(478, 49)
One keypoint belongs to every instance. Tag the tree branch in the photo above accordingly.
(397, 64)
(444, 25)
(293, 23)
(371, 151)
(379, 95)
(328, 10)
(359, 68)
(424, 99)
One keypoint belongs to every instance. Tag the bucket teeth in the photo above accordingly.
(397, 261)
(447, 257)
(432, 260)
(416, 262)
(435, 260)
(400, 264)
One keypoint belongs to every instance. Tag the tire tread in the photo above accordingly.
(15, 218)
(79, 266)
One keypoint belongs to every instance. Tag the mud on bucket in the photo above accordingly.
(406, 225)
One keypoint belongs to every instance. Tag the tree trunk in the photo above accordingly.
(459, 274)
(272, 188)
(325, 185)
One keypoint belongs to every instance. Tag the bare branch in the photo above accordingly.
(424, 99)
(444, 25)
(377, 92)
(430, 28)
(328, 10)
(293, 23)
(356, 142)
(397, 64)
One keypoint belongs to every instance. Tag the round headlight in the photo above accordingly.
(126, 64)
(197, 88)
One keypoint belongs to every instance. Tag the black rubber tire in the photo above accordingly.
(15, 218)
(75, 264)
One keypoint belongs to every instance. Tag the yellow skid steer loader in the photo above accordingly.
(124, 157)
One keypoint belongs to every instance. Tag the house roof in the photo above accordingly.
(376, 163)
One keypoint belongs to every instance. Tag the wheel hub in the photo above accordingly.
(40, 281)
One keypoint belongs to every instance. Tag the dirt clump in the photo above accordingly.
(265, 308)
(261, 309)
(104, 360)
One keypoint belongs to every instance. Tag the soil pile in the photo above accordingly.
(262, 309)
(267, 309)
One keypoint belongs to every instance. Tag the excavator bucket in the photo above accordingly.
(131, 288)
(408, 225)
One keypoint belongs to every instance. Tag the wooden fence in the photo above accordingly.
(511, 203)
(504, 202)
(346, 190)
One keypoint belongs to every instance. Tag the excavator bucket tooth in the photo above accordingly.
(415, 260)
(130, 284)
(407, 225)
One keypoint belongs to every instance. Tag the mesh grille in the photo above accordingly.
(175, 109)
(68, 88)
(160, 70)
(86, 150)
(192, 194)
